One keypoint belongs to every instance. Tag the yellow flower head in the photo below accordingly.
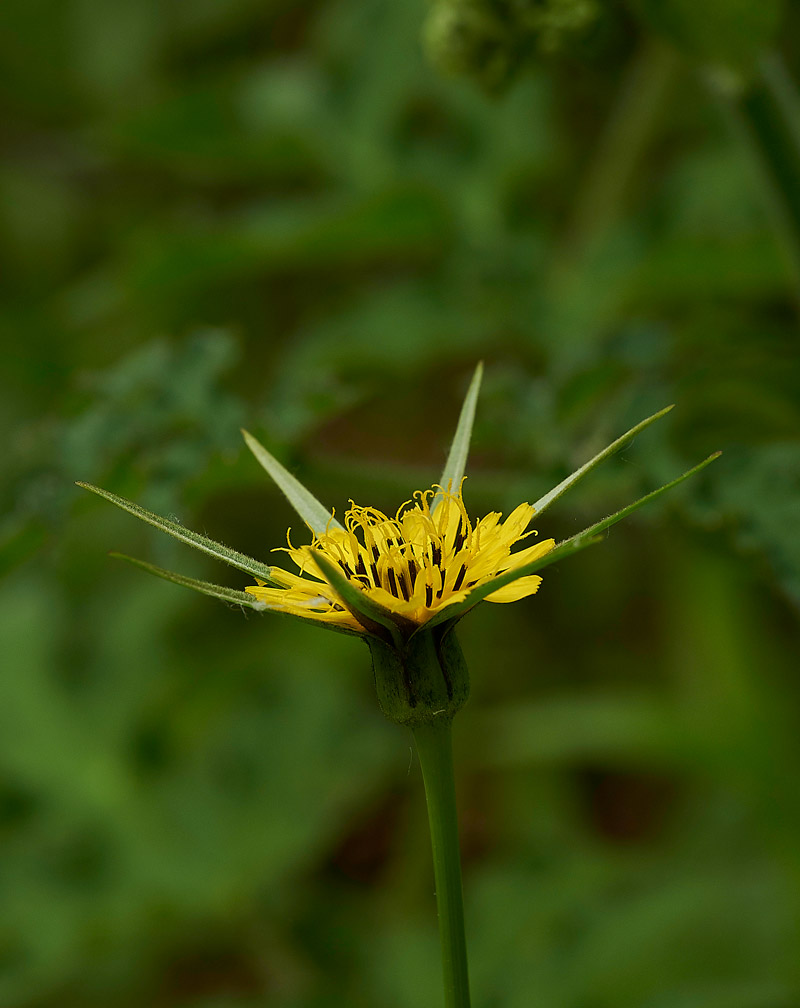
(400, 583)
(429, 556)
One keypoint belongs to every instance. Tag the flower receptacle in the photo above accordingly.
(424, 680)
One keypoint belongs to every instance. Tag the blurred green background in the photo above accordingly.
(285, 215)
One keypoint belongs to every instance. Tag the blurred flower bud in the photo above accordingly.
(491, 42)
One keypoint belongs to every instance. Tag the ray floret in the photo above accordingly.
(387, 578)
(407, 568)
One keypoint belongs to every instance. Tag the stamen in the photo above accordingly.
(394, 554)
(400, 509)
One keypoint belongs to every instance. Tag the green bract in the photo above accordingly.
(402, 584)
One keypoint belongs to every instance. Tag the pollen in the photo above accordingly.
(429, 556)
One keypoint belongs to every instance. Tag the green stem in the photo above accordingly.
(783, 90)
(622, 144)
(765, 122)
(435, 750)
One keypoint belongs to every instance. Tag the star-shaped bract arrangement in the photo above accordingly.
(388, 578)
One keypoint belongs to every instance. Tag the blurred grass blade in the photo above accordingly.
(564, 549)
(214, 549)
(544, 502)
(459, 449)
(225, 594)
(314, 514)
(369, 614)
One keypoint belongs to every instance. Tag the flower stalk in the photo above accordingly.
(434, 748)
(402, 584)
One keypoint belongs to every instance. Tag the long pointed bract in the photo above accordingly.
(225, 594)
(314, 514)
(459, 449)
(214, 549)
(552, 495)
(206, 587)
(564, 549)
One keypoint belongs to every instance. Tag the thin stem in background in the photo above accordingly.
(766, 122)
(783, 89)
(434, 746)
(577, 303)
(625, 137)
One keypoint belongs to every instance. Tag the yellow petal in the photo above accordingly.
(517, 522)
(516, 590)
(528, 555)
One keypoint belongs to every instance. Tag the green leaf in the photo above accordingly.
(214, 549)
(459, 449)
(564, 549)
(225, 594)
(369, 613)
(314, 514)
(544, 502)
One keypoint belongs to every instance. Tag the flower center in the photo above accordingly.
(428, 556)
(419, 552)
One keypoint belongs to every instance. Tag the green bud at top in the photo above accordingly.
(423, 680)
(491, 40)
(466, 37)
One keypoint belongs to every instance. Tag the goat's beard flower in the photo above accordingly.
(429, 556)
(403, 583)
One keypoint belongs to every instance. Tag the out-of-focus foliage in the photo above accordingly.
(280, 214)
